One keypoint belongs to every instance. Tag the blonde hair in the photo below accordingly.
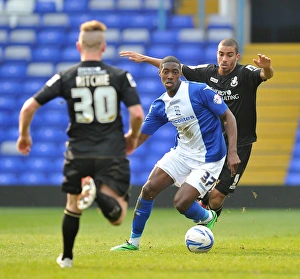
(92, 35)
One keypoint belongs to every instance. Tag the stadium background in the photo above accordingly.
(37, 39)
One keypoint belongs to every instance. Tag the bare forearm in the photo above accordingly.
(153, 61)
(26, 115)
(268, 72)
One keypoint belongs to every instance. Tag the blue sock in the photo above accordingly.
(196, 212)
(142, 212)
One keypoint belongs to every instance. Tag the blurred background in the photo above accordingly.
(37, 39)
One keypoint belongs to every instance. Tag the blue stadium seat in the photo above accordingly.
(71, 6)
(42, 7)
(138, 20)
(38, 164)
(168, 37)
(45, 150)
(150, 87)
(188, 54)
(55, 178)
(160, 50)
(13, 69)
(7, 103)
(10, 87)
(10, 164)
(46, 54)
(70, 54)
(149, 71)
(50, 37)
(133, 68)
(33, 178)
(33, 84)
(8, 179)
(49, 134)
(111, 20)
(210, 54)
(76, 19)
(180, 21)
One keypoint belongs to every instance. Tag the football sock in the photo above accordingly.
(205, 199)
(218, 210)
(70, 227)
(142, 212)
(110, 208)
(196, 212)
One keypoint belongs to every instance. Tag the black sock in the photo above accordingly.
(218, 210)
(205, 199)
(110, 208)
(70, 227)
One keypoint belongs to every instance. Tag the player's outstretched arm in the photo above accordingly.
(138, 57)
(264, 63)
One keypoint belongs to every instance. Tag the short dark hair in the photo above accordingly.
(169, 59)
(230, 42)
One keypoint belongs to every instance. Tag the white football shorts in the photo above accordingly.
(183, 169)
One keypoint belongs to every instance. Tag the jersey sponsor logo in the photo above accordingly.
(227, 95)
(217, 99)
(87, 71)
(234, 81)
(183, 119)
(52, 80)
(214, 80)
(131, 80)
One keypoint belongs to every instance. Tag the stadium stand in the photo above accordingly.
(37, 39)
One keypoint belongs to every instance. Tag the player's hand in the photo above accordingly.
(262, 61)
(233, 162)
(24, 144)
(133, 56)
(131, 143)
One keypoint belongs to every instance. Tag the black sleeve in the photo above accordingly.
(51, 90)
(195, 73)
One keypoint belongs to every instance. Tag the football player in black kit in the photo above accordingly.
(237, 84)
(97, 147)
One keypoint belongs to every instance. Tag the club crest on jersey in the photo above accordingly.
(217, 99)
(234, 82)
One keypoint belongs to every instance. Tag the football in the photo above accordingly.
(199, 239)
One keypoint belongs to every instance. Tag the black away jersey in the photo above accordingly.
(93, 92)
(238, 90)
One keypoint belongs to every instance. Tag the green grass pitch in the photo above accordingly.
(249, 243)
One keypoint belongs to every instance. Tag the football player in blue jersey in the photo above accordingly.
(237, 85)
(196, 160)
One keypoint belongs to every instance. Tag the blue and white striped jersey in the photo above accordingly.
(194, 111)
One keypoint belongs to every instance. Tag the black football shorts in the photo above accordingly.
(114, 172)
(226, 183)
